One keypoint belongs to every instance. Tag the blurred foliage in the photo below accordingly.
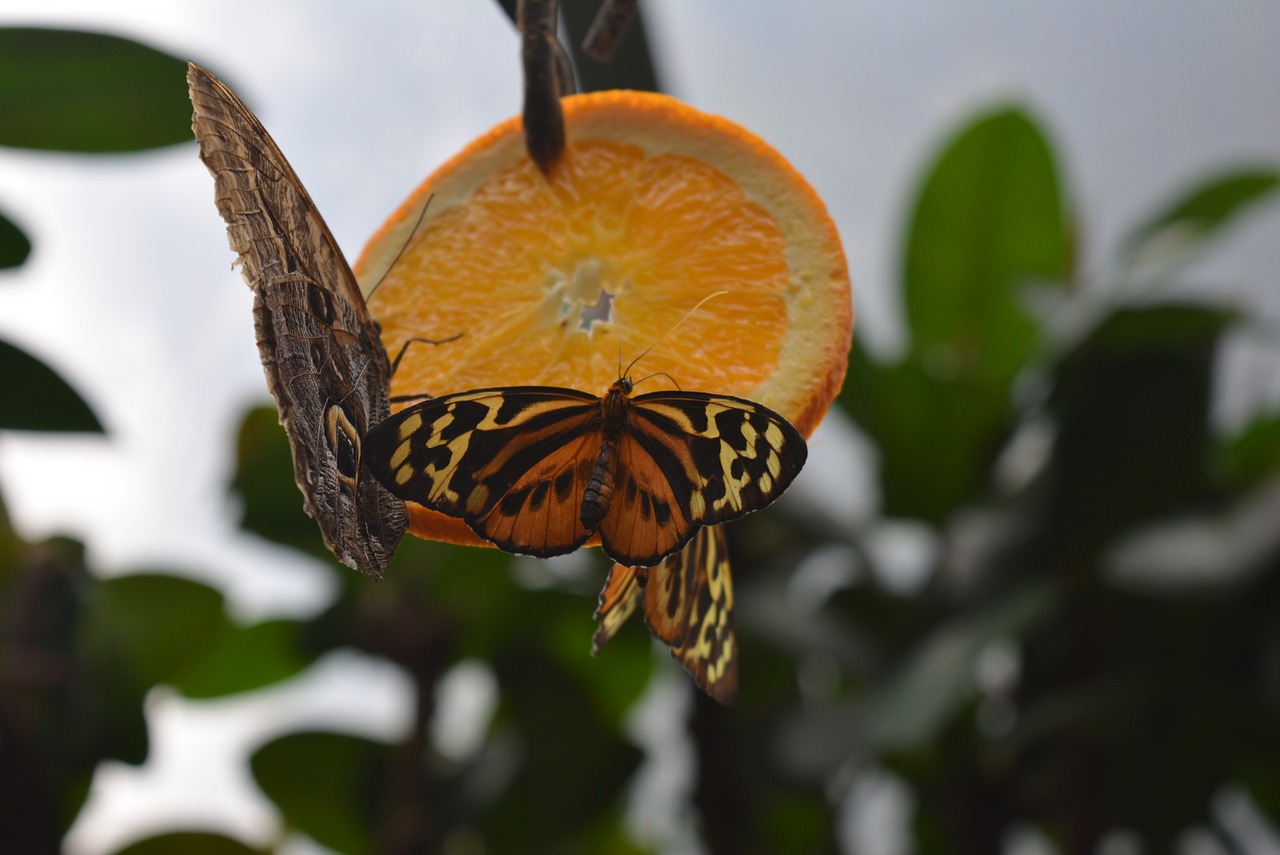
(70, 90)
(1054, 671)
(34, 397)
(15, 246)
(988, 220)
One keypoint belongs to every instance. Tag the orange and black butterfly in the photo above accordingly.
(538, 470)
(321, 349)
(688, 605)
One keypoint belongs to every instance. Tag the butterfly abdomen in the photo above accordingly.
(598, 493)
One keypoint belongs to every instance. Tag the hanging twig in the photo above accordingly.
(545, 80)
(607, 29)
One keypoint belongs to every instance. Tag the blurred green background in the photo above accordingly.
(1092, 663)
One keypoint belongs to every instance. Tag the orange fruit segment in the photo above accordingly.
(564, 280)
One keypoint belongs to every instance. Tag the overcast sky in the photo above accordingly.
(130, 293)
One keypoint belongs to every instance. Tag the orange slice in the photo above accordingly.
(564, 280)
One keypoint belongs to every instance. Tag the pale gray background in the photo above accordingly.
(130, 294)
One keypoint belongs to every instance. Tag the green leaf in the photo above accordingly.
(34, 397)
(1200, 213)
(14, 245)
(619, 674)
(1132, 406)
(988, 220)
(264, 479)
(67, 702)
(72, 90)
(190, 843)
(1253, 455)
(327, 785)
(936, 680)
(937, 437)
(160, 622)
(575, 767)
(243, 659)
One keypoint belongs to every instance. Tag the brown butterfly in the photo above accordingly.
(688, 605)
(539, 469)
(321, 350)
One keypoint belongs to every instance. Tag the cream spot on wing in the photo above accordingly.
(436, 437)
(774, 463)
(732, 486)
(773, 433)
(478, 497)
(490, 420)
(401, 454)
(713, 429)
(410, 426)
(441, 477)
(403, 474)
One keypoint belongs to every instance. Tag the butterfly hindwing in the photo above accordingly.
(512, 462)
(320, 348)
(688, 605)
(708, 649)
(618, 600)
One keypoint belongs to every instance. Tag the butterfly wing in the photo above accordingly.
(618, 600)
(688, 605)
(512, 462)
(692, 595)
(689, 459)
(320, 348)
(647, 518)
(271, 221)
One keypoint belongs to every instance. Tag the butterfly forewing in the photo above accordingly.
(320, 348)
(734, 456)
(512, 462)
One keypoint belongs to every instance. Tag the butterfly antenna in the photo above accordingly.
(669, 332)
(395, 363)
(658, 374)
(421, 214)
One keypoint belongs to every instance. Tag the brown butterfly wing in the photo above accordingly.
(320, 348)
(271, 221)
(512, 462)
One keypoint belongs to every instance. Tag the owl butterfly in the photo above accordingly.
(539, 469)
(688, 605)
(320, 348)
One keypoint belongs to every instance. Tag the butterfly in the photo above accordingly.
(688, 605)
(321, 350)
(539, 469)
